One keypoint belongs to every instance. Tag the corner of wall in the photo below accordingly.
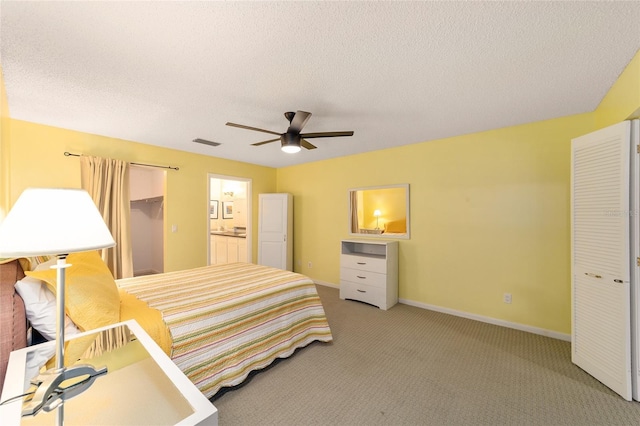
(622, 101)
(5, 175)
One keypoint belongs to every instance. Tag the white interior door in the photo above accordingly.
(601, 328)
(274, 228)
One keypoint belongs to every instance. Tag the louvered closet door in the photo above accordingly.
(601, 329)
(635, 254)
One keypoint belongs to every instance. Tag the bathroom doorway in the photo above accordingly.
(229, 225)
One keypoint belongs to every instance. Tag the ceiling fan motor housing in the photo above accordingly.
(290, 142)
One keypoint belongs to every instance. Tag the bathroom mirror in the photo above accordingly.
(381, 211)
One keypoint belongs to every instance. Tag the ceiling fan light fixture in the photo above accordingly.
(290, 149)
(290, 143)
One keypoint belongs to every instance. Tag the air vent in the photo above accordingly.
(206, 142)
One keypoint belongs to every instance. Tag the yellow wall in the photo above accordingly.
(489, 215)
(37, 160)
(4, 149)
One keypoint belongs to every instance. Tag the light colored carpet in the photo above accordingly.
(410, 366)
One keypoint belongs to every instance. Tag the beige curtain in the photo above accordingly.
(107, 181)
(353, 196)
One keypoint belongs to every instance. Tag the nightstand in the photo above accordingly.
(142, 385)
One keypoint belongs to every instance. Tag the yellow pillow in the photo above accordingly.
(396, 226)
(92, 298)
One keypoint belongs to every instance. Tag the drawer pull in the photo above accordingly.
(362, 278)
(361, 291)
(361, 263)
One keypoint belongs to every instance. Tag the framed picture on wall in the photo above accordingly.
(213, 209)
(227, 209)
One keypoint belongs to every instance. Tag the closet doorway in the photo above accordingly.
(229, 225)
(147, 191)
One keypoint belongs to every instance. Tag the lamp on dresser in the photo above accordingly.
(55, 221)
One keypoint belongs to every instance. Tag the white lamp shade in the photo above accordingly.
(51, 221)
(376, 213)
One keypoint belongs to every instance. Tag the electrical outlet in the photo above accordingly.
(174, 228)
(507, 298)
(310, 265)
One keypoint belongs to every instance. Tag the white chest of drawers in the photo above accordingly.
(369, 272)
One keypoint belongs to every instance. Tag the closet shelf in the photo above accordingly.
(157, 199)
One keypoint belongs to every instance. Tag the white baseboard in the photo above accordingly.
(481, 318)
(326, 284)
(489, 320)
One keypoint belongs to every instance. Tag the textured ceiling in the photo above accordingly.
(396, 73)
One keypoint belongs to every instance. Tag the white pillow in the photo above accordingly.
(40, 306)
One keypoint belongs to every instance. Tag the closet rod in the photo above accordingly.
(67, 154)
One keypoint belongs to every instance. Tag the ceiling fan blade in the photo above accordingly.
(264, 142)
(325, 134)
(299, 120)
(306, 144)
(241, 126)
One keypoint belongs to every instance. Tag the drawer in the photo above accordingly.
(373, 279)
(364, 263)
(364, 293)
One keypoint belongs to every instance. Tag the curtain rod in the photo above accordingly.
(67, 154)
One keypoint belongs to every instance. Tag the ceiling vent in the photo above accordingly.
(206, 142)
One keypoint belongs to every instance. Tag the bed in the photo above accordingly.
(217, 323)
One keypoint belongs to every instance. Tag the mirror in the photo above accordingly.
(381, 211)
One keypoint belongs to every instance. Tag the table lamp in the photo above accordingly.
(55, 221)
(377, 214)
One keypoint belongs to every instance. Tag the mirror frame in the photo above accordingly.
(405, 236)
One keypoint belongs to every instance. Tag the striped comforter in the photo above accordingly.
(227, 320)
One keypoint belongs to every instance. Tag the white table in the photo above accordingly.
(142, 386)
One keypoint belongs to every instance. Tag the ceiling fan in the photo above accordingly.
(292, 139)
